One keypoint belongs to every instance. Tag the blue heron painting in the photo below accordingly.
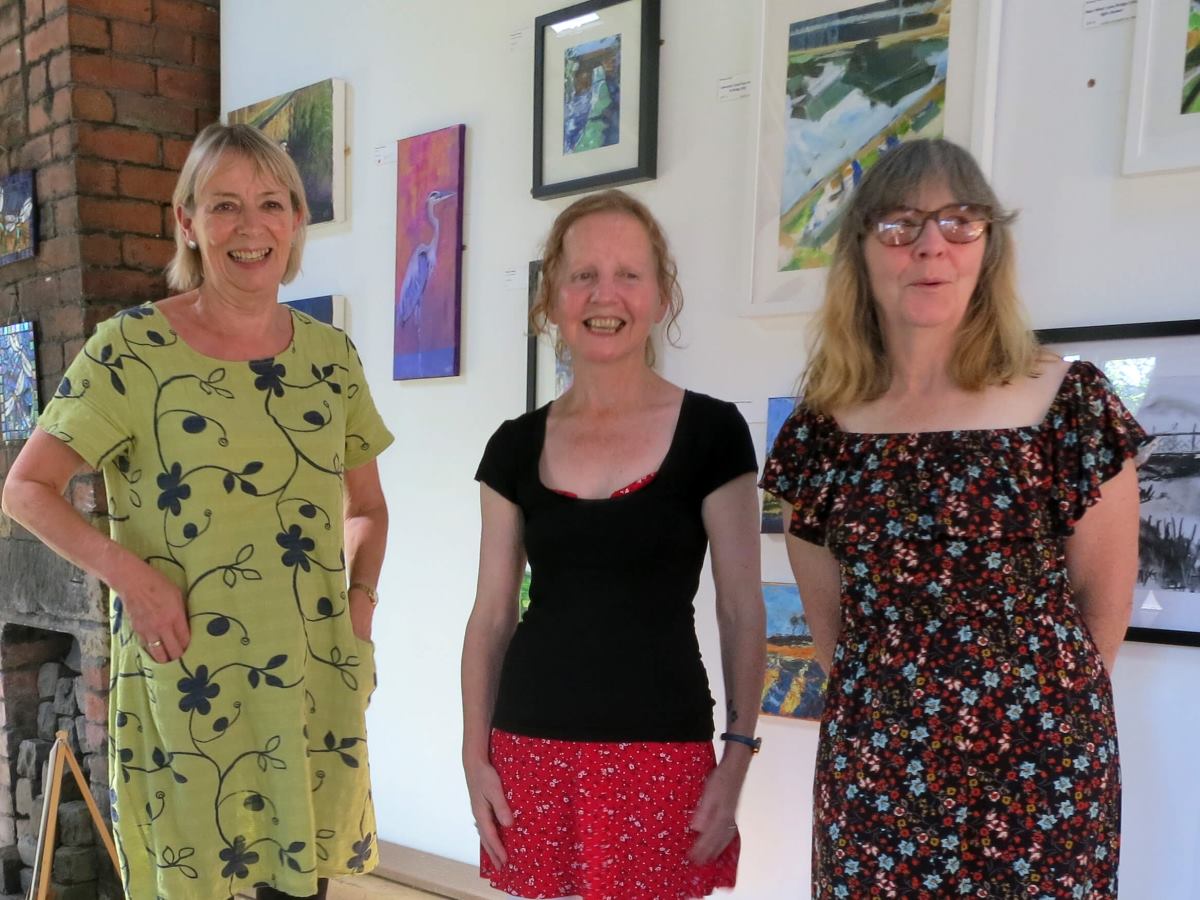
(428, 254)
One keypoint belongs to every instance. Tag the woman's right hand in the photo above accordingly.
(489, 807)
(156, 611)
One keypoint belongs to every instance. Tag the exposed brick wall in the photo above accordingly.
(102, 98)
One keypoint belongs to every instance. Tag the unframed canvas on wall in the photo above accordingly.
(18, 217)
(794, 686)
(18, 381)
(310, 124)
(595, 96)
(429, 209)
(1155, 369)
(1162, 126)
(841, 84)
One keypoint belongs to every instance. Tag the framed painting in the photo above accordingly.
(794, 686)
(595, 96)
(429, 217)
(1155, 368)
(18, 217)
(778, 409)
(1162, 125)
(842, 82)
(18, 381)
(330, 309)
(310, 124)
(547, 373)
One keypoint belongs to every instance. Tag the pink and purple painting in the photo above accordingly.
(429, 186)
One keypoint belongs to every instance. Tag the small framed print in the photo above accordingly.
(1155, 369)
(595, 96)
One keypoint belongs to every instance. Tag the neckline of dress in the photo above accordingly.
(291, 344)
(1068, 381)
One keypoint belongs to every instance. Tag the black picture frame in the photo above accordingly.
(531, 343)
(1132, 354)
(558, 173)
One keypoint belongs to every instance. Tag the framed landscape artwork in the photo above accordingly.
(794, 686)
(595, 96)
(841, 84)
(1155, 369)
(310, 124)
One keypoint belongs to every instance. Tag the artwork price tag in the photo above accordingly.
(1101, 12)
(733, 87)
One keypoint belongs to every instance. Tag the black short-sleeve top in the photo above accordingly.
(607, 649)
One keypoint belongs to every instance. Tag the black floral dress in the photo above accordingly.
(244, 761)
(968, 746)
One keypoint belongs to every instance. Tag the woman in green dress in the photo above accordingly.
(237, 439)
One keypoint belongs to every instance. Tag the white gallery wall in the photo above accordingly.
(1094, 248)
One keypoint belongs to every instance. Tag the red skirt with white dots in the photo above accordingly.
(604, 821)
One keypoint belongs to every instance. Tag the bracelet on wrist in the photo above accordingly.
(754, 743)
(371, 593)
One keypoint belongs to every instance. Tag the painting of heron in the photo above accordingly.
(18, 381)
(429, 186)
(310, 124)
(18, 227)
(858, 82)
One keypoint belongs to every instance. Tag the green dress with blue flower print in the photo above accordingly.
(244, 762)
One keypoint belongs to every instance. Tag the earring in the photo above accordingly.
(191, 244)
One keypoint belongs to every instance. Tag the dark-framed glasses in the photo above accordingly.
(959, 223)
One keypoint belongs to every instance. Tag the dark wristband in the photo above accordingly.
(755, 743)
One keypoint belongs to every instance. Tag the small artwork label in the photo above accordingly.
(1101, 12)
(733, 87)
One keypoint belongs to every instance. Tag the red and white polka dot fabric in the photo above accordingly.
(604, 821)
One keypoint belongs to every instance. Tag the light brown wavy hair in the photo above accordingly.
(848, 362)
(666, 270)
(186, 269)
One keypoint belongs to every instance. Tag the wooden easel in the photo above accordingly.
(60, 755)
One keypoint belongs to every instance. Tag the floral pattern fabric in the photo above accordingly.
(968, 746)
(244, 762)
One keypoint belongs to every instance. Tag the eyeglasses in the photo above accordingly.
(959, 223)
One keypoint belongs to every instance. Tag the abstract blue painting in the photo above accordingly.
(330, 309)
(778, 409)
(592, 95)
(18, 381)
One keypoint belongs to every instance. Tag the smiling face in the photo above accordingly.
(607, 296)
(243, 224)
(926, 284)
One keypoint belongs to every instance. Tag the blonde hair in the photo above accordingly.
(666, 271)
(848, 362)
(186, 269)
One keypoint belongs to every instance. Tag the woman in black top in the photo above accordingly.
(588, 727)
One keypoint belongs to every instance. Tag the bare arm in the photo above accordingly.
(1102, 558)
(489, 630)
(366, 540)
(819, 578)
(33, 496)
(730, 515)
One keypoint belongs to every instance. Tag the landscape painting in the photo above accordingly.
(1191, 61)
(795, 682)
(18, 226)
(18, 381)
(429, 187)
(592, 95)
(778, 409)
(858, 82)
(310, 124)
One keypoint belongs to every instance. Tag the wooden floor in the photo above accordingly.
(368, 887)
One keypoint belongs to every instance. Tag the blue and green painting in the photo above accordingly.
(795, 683)
(778, 409)
(1191, 61)
(858, 82)
(592, 95)
(18, 214)
(18, 381)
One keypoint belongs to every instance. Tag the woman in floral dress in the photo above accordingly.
(964, 535)
(237, 440)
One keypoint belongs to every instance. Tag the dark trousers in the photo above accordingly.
(269, 893)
